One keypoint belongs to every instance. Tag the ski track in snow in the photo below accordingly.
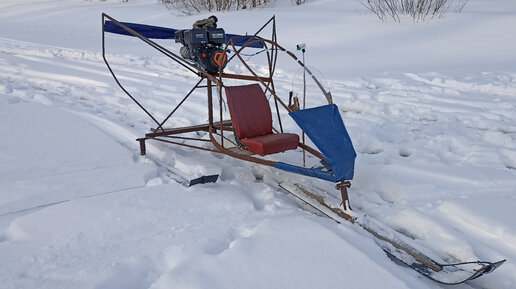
(431, 148)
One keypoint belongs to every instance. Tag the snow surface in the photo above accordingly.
(430, 107)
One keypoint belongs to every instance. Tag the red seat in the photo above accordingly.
(252, 119)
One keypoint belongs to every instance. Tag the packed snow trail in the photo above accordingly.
(148, 233)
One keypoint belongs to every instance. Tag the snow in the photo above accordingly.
(430, 107)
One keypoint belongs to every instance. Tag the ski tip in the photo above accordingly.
(490, 267)
(487, 267)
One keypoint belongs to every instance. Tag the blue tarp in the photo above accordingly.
(145, 30)
(324, 126)
(316, 173)
(157, 32)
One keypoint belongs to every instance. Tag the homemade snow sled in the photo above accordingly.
(248, 133)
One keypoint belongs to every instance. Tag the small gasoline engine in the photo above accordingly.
(202, 44)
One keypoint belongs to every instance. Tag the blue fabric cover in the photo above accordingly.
(157, 32)
(316, 173)
(145, 30)
(324, 126)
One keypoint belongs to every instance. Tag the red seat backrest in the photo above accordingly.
(250, 111)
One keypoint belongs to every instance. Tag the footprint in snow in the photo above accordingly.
(219, 246)
(404, 152)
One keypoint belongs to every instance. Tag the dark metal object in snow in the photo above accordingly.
(204, 180)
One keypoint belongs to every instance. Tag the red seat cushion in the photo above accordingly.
(271, 143)
(250, 111)
(252, 119)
